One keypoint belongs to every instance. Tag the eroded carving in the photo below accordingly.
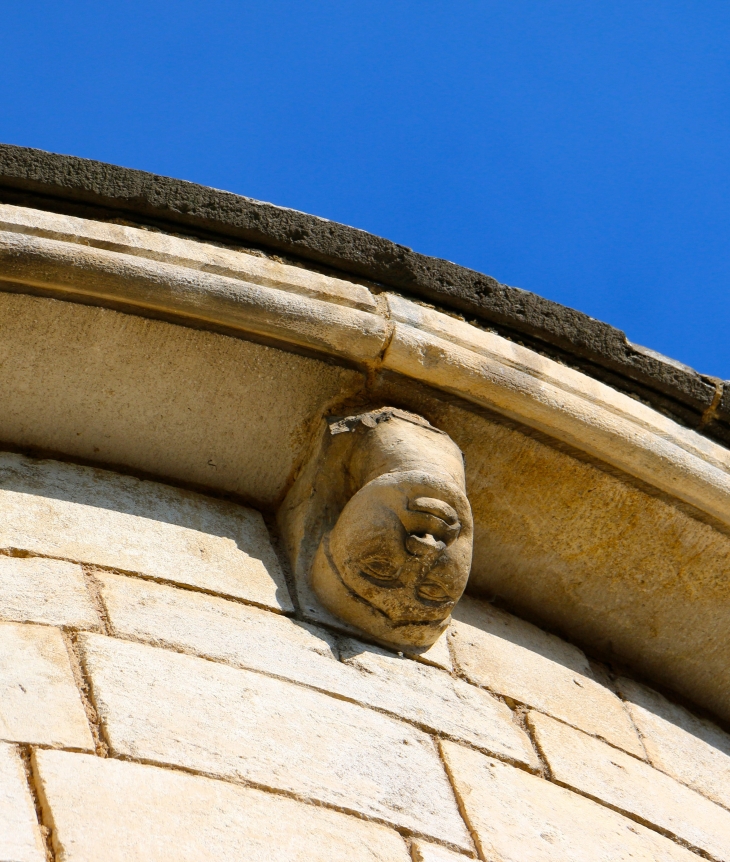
(380, 524)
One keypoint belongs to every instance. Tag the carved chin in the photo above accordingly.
(340, 600)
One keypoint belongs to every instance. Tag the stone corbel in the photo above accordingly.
(379, 528)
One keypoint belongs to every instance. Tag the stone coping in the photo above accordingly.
(101, 191)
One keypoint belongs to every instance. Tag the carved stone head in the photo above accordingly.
(394, 539)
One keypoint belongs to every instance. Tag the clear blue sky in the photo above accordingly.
(580, 150)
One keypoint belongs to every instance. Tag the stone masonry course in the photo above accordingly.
(257, 733)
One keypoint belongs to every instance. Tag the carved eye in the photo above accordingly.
(433, 591)
(379, 569)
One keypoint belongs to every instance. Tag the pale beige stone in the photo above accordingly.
(516, 659)
(425, 345)
(432, 698)
(252, 638)
(476, 364)
(518, 817)
(585, 552)
(568, 405)
(580, 551)
(185, 252)
(438, 654)
(421, 851)
(124, 812)
(379, 524)
(175, 709)
(169, 400)
(20, 838)
(691, 749)
(39, 701)
(591, 767)
(94, 516)
(82, 273)
(223, 631)
(33, 589)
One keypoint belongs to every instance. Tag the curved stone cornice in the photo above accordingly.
(145, 272)
(635, 571)
(96, 190)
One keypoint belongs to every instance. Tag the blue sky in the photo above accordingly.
(580, 150)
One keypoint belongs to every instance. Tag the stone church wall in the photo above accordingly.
(161, 698)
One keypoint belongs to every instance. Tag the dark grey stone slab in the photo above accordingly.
(94, 189)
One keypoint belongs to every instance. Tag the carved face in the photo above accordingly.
(398, 558)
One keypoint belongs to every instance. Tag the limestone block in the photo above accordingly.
(126, 812)
(185, 252)
(566, 404)
(516, 659)
(691, 749)
(180, 710)
(173, 401)
(422, 851)
(39, 702)
(20, 839)
(33, 589)
(582, 552)
(251, 638)
(94, 516)
(223, 631)
(432, 698)
(75, 270)
(516, 816)
(437, 654)
(631, 786)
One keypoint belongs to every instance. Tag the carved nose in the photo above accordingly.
(438, 508)
(430, 521)
(425, 546)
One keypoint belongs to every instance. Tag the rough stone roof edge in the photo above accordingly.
(98, 190)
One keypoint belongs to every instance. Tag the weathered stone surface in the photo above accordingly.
(623, 561)
(498, 374)
(691, 749)
(598, 566)
(180, 710)
(185, 252)
(435, 700)
(252, 638)
(39, 702)
(33, 589)
(517, 816)
(223, 631)
(173, 401)
(119, 812)
(610, 776)
(515, 659)
(148, 286)
(93, 516)
(582, 552)
(424, 852)
(20, 839)
(437, 654)
(80, 184)
(378, 522)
